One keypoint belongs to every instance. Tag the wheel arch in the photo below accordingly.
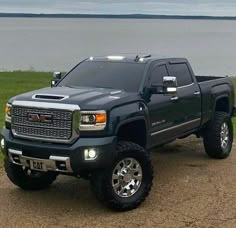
(222, 104)
(134, 130)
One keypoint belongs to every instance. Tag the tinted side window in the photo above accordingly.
(182, 73)
(157, 74)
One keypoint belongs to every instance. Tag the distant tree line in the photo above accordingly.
(125, 16)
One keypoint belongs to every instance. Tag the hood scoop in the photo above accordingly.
(49, 97)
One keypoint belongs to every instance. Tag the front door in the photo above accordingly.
(161, 107)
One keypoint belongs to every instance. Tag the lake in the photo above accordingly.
(50, 44)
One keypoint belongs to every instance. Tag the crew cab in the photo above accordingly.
(100, 121)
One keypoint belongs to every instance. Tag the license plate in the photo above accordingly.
(37, 165)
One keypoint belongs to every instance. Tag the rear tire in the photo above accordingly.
(127, 182)
(28, 179)
(218, 136)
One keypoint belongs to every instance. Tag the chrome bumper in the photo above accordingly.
(54, 163)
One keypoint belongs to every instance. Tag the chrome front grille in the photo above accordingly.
(56, 124)
(42, 132)
(59, 128)
(24, 111)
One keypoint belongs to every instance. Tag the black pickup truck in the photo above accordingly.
(101, 119)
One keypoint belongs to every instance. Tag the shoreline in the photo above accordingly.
(116, 16)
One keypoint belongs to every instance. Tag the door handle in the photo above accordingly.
(174, 98)
(196, 93)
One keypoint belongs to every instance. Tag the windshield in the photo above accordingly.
(116, 75)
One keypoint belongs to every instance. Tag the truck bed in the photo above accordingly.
(207, 78)
(212, 87)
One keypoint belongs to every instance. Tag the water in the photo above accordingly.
(44, 44)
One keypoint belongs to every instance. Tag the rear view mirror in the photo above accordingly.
(169, 85)
(56, 78)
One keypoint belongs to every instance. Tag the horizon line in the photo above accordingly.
(95, 15)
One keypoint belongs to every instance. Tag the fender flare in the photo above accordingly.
(130, 120)
(220, 97)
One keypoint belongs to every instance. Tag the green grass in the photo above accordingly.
(234, 123)
(14, 83)
(234, 119)
(1, 159)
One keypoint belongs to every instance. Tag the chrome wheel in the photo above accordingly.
(224, 136)
(127, 177)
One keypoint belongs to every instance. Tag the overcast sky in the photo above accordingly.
(162, 7)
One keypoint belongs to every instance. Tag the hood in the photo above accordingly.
(86, 98)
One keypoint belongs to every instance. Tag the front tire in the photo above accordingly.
(218, 136)
(28, 179)
(127, 182)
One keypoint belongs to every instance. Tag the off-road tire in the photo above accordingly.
(212, 136)
(21, 179)
(101, 181)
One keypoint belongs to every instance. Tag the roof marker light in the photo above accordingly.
(113, 57)
(91, 58)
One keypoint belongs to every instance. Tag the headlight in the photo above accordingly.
(93, 120)
(88, 119)
(8, 113)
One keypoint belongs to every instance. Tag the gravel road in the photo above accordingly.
(190, 190)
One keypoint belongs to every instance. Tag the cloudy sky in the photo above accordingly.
(162, 7)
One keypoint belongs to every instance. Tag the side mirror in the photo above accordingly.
(56, 75)
(56, 78)
(169, 85)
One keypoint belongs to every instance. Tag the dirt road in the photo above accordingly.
(190, 190)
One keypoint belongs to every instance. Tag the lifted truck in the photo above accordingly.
(101, 119)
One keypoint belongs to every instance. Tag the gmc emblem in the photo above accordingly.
(40, 118)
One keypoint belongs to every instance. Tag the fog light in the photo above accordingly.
(90, 154)
(2, 144)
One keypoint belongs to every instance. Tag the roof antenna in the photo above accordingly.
(136, 58)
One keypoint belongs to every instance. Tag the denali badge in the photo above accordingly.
(42, 118)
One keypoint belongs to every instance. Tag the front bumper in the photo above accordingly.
(51, 154)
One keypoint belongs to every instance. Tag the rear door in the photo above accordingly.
(188, 97)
